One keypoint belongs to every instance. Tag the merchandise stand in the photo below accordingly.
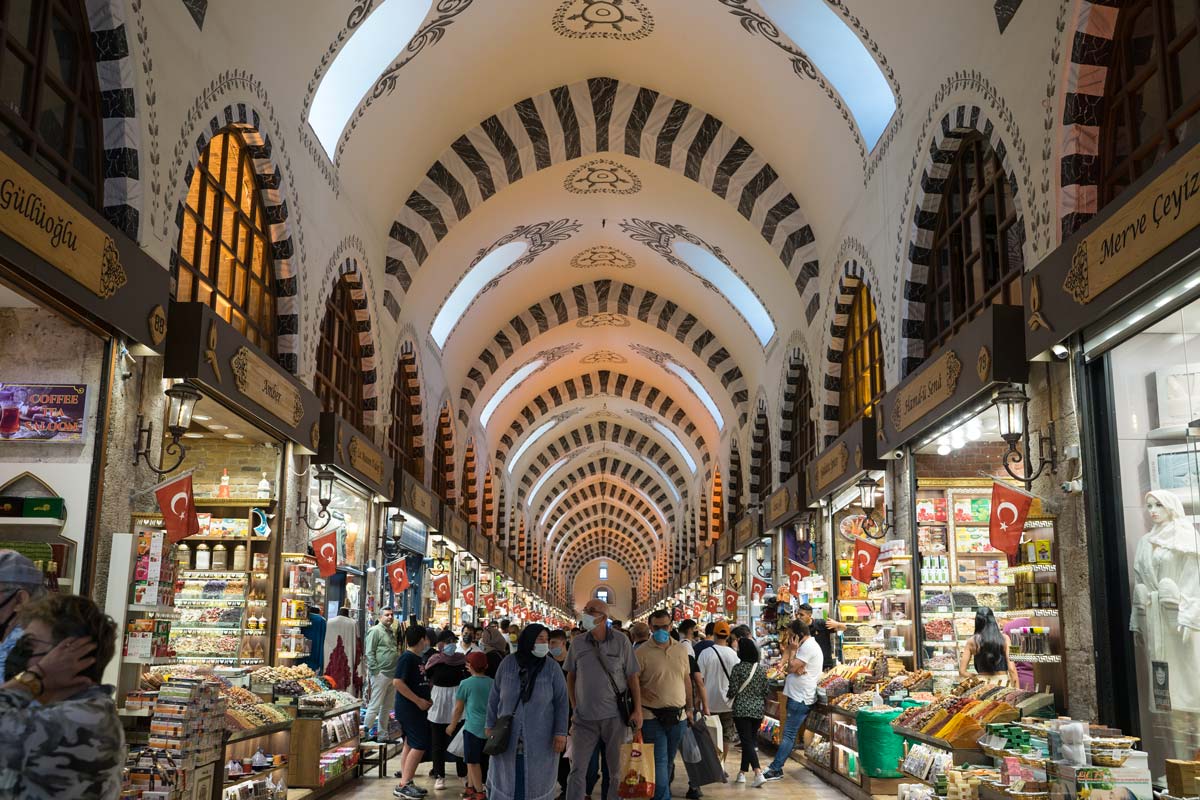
(324, 753)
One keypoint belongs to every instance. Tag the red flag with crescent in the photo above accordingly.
(178, 506)
(731, 598)
(468, 595)
(326, 550)
(398, 574)
(758, 589)
(489, 602)
(865, 555)
(1009, 509)
(713, 603)
(677, 614)
(697, 609)
(441, 588)
(796, 573)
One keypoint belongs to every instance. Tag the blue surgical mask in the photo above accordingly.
(556, 652)
(662, 637)
(449, 649)
(541, 650)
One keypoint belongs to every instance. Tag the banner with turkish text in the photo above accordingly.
(178, 506)
(325, 548)
(441, 587)
(468, 595)
(731, 602)
(758, 589)
(397, 572)
(865, 555)
(1009, 508)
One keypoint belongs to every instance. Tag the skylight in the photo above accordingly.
(515, 457)
(673, 439)
(479, 276)
(842, 58)
(506, 387)
(371, 49)
(687, 377)
(718, 273)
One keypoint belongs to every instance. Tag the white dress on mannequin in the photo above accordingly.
(1166, 596)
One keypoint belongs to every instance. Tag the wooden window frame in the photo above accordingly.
(339, 375)
(401, 439)
(804, 429)
(862, 385)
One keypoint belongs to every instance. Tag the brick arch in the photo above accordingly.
(760, 454)
(409, 376)
(604, 511)
(599, 383)
(1093, 28)
(853, 275)
(614, 466)
(601, 487)
(956, 124)
(249, 123)
(794, 373)
(622, 544)
(445, 434)
(349, 269)
(600, 115)
(611, 297)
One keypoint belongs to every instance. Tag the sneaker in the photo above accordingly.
(759, 780)
(772, 775)
(420, 791)
(694, 793)
(439, 784)
(410, 792)
(741, 777)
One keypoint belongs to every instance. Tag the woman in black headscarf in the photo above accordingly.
(536, 698)
(444, 670)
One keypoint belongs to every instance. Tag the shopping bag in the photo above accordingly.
(569, 752)
(688, 749)
(637, 770)
(715, 731)
(456, 744)
(708, 769)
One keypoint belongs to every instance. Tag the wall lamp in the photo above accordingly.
(868, 492)
(1011, 404)
(325, 478)
(182, 399)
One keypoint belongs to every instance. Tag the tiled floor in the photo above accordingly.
(797, 782)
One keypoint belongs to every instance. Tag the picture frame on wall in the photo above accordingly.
(1177, 395)
(1176, 468)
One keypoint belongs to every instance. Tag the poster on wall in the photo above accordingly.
(41, 412)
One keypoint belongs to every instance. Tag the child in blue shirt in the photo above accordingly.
(471, 702)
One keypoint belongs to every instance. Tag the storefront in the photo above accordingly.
(944, 419)
(745, 568)
(81, 303)
(1124, 293)
(412, 519)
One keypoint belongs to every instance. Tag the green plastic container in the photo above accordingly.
(880, 749)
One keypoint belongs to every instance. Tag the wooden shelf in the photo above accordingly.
(254, 733)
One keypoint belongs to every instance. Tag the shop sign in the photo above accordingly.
(43, 413)
(343, 446)
(456, 528)
(365, 458)
(416, 499)
(784, 503)
(745, 531)
(263, 384)
(831, 465)
(937, 384)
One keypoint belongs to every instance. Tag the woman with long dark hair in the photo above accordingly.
(536, 697)
(747, 693)
(989, 649)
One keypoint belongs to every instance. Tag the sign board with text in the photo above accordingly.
(347, 448)
(41, 412)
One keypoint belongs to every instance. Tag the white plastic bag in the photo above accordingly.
(688, 747)
(456, 744)
(715, 732)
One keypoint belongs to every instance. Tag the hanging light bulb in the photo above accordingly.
(957, 438)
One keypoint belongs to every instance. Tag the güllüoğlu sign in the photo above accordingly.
(37, 412)
(1167, 208)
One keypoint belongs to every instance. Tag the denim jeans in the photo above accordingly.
(666, 745)
(796, 714)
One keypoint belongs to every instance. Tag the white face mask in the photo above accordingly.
(589, 622)
(541, 649)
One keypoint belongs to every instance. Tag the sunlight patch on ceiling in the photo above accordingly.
(685, 375)
(673, 439)
(533, 437)
(505, 388)
(729, 284)
(842, 58)
(487, 270)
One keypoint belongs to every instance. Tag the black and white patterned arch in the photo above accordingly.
(612, 518)
(795, 371)
(595, 116)
(955, 125)
(597, 432)
(609, 297)
(602, 489)
(853, 275)
(349, 268)
(615, 466)
(760, 468)
(247, 121)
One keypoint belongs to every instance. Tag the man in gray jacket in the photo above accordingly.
(382, 652)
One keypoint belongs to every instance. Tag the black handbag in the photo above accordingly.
(498, 741)
(624, 698)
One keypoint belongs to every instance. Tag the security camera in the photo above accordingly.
(1060, 352)
(1071, 487)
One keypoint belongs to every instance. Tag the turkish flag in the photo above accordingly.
(468, 595)
(697, 609)
(489, 602)
(326, 550)
(398, 574)
(441, 588)
(178, 506)
(865, 554)
(796, 573)
(1009, 509)
(713, 603)
(731, 598)
(677, 614)
(758, 590)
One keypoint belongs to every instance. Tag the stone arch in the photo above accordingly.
(349, 269)
(956, 124)
(599, 115)
(408, 371)
(760, 454)
(852, 276)
(794, 372)
(605, 297)
(592, 489)
(445, 437)
(589, 519)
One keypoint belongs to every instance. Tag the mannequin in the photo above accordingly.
(1166, 596)
(341, 633)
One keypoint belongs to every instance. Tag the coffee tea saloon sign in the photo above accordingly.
(38, 412)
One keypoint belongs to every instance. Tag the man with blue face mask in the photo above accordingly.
(20, 583)
(666, 695)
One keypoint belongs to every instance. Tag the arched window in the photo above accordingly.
(489, 505)
(718, 510)
(339, 378)
(49, 94)
(976, 257)
(224, 249)
(443, 457)
(470, 492)
(804, 428)
(761, 484)
(404, 442)
(862, 361)
(1152, 92)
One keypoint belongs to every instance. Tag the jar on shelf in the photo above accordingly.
(220, 557)
(203, 557)
(183, 555)
(239, 558)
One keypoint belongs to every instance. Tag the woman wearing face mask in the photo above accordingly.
(444, 670)
(536, 697)
(514, 633)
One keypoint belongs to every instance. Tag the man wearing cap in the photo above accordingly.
(20, 583)
(715, 665)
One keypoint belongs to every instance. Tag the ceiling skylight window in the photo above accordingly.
(729, 284)
(842, 58)
(484, 272)
(513, 381)
(673, 439)
(371, 49)
(687, 377)
(533, 437)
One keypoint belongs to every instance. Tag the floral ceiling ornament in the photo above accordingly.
(603, 256)
(541, 237)
(624, 20)
(605, 319)
(603, 357)
(602, 176)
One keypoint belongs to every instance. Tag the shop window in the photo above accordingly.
(603, 570)
(224, 248)
(862, 361)
(804, 429)
(1153, 89)
(339, 378)
(976, 259)
(49, 96)
(443, 458)
(404, 433)
(470, 491)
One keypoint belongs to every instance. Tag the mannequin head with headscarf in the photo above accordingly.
(1171, 528)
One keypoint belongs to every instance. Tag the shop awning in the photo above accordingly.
(785, 503)
(840, 464)
(988, 350)
(204, 348)
(62, 248)
(1150, 229)
(343, 446)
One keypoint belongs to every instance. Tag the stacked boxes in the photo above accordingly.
(154, 571)
(188, 721)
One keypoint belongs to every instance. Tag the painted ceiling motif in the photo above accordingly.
(603, 255)
(602, 176)
(624, 20)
